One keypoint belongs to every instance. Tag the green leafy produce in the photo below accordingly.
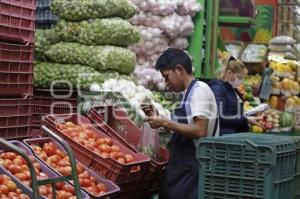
(101, 58)
(46, 73)
(43, 40)
(113, 31)
(77, 10)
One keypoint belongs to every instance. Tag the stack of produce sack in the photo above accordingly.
(162, 24)
(88, 44)
(283, 47)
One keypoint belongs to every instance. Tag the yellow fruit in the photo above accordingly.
(290, 102)
(262, 36)
(273, 102)
(257, 129)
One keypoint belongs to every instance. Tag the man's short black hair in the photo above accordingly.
(172, 57)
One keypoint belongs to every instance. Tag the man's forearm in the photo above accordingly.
(188, 130)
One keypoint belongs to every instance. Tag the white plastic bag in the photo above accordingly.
(149, 142)
(283, 40)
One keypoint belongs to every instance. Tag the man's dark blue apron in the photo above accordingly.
(181, 178)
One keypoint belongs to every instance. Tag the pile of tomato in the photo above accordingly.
(8, 189)
(59, 161)
(17, 165)
(88, 138)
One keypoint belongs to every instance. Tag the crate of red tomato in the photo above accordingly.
(17, 166)
(115, 122)
(95, 149)
(53, 154)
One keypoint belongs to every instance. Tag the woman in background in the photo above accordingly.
(229, 100)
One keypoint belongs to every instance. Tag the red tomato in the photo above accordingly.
(70, 124)
(24, 167)
(115, 148)
(18, 191)
(105, 148)
(18, 161)
(43, 190)
(83, 135)
(36, 148)
(61, 126)
(12, 195)
(59, 185)
(79, 168)
(6, 163)
(23, 196)
(8, 155)
(14, 168)
(105, 155)
(21, 176)
(60, 153)
(114, 155)
(93, 179)
(101, 187)
(108, 141)
(4, 189)
(100, 141)
(69, 188)
(84, 175)
(92, 189)
(37, 166)
(121, 160)
(11, 185)
(54, 158)
(63, 163)
(27, 174)
(128, 158)
(49, 149)
(43, 156)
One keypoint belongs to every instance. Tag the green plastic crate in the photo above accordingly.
(297, 174)
(86, 100)
(244, 166)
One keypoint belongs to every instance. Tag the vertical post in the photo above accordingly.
(196, 40)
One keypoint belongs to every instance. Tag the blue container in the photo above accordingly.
(247, 165)
(41, 4)
(45, 16)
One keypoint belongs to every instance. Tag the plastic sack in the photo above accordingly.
(149, 142)
(254, 53)
(282, 48)
(283, 40)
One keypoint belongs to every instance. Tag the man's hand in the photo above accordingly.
(156, 122)
(149, 110)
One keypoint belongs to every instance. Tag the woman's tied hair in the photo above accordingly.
(228, 62)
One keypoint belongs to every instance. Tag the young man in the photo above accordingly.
(194, 118)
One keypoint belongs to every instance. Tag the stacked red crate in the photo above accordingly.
(17, 26)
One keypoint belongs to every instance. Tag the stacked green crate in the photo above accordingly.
(247, 166)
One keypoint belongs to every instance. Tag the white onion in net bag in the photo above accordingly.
(175, 25)
(180, 43)
(149, 78)
(153, 42)
(157, 7)
(188, 7)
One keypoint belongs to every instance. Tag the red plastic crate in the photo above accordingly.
(112, 189)
(16, 69)
(47, 102)
(15, 118)
(107, 167)
(118, 126)
(17, 20)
